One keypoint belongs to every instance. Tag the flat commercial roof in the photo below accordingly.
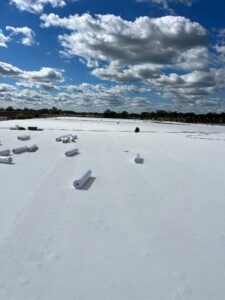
(139, 231)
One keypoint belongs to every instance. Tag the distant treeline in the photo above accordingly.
(159, 115)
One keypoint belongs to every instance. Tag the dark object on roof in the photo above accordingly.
(21, 128)
(137, 129)
(32, 128)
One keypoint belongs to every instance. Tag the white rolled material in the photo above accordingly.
(73, 138)
(80, 182)
(23, 137)
(20, 150)
(5, 160)
(72, 152)
(138, 159)
(65, 140)
(5, 152)
(32, 148)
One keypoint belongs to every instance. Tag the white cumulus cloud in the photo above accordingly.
(170, 54)
(28, 35)
(44, 75)
(3, 39)
(37, 6)
(110, 38)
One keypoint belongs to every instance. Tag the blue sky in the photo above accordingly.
(134, 55)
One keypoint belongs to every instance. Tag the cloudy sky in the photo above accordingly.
(93, 55)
